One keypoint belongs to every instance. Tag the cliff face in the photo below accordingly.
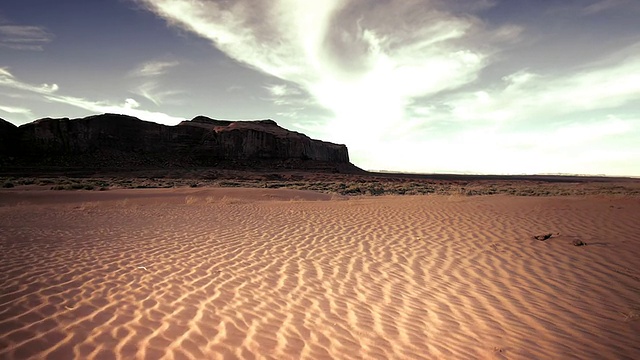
(263, 139)
(120, 141)
(8, 133)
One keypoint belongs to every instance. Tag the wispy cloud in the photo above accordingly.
(282, 94)
(592, 8)
(46, 92)
(24, 37)
(7, 79)
(149, 85)
(364, 61)
(418, 76)
(529, 123)
(281, 90)
(234, 88)
(295, 105)
(128, 107)
(524, 96)
(15, 110)
(156, 93)
(154, 68)
(602, 5)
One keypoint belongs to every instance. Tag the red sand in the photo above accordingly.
(277, 274)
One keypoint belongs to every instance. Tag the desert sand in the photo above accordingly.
(285, 274)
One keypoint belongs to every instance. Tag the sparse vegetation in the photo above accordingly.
(339, 184)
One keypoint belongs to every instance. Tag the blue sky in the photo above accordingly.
(468, 86)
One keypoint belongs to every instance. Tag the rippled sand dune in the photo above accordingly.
(281, 274)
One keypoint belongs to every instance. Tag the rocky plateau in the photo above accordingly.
(112, 141)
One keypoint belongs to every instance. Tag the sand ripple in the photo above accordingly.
(207, 276)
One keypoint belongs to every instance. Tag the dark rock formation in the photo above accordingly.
(8, 134)
(119, 141)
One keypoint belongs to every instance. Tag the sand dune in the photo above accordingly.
(280, 274)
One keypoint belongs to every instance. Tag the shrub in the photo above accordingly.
(229, 184)
(376, 190)
(352, 190)
(27, 181)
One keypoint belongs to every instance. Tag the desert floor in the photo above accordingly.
(284, 274)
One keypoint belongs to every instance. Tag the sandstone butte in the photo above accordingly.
(112, 141)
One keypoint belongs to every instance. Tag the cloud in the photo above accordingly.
(154, 68)
(281, 90)
(530, 123)
(602, 5)
(295, 106)
(362, 60)
(311, 43)
(24, 37)
(524, 95)
(594, 8)
(150, 85)
(131, 104)
(8, 80)
(15, 110)
(282, 94)
(409, 77)
(49, 92)
(155, 92)
(129, 107)
(234, 88)
(585, 147)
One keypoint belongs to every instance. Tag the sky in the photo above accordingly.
(429, 86)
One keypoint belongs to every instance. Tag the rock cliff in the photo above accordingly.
(7, 136)
(119, 141)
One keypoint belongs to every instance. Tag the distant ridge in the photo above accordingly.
(124, 142)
